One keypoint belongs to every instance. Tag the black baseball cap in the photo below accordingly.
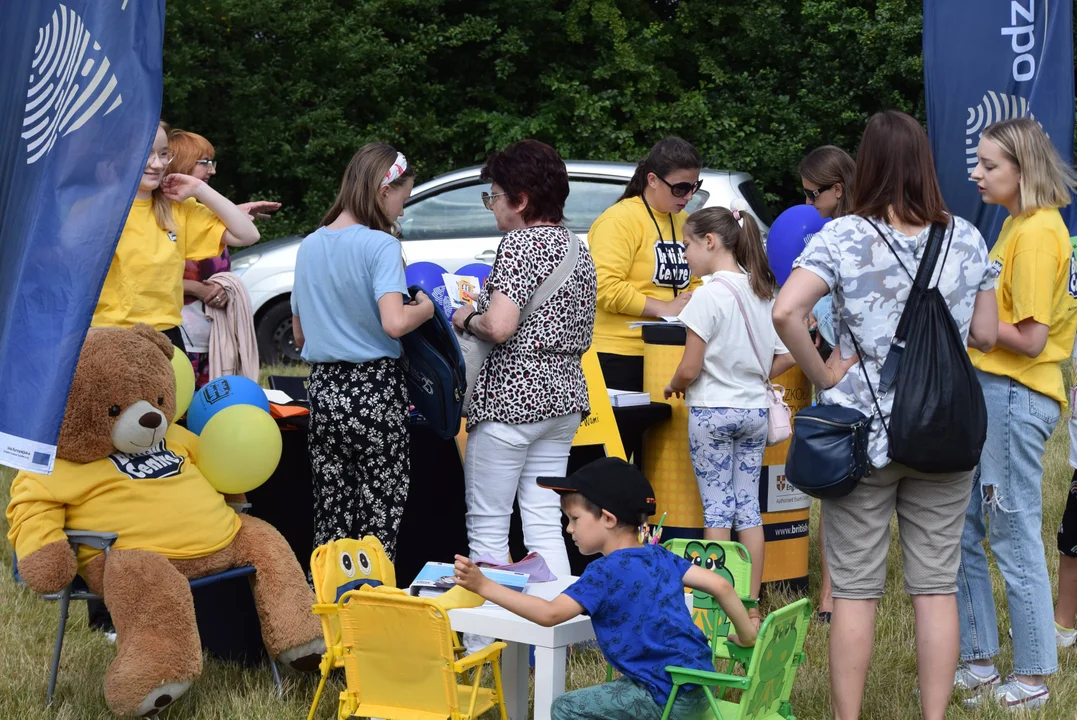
(611, 483)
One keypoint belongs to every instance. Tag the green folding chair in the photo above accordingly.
(768, 684)
(732, 561)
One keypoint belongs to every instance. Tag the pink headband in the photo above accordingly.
(398, 168)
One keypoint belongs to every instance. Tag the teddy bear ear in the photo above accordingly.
(159, 339)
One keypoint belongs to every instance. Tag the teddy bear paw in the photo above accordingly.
(161, 697)
(304, 658)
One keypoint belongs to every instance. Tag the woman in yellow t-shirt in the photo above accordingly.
(173, 219)
(1020, 170)
(638, 252)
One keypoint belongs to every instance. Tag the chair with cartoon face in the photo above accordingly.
(768, 683)
(731, 561)
(400, 662)
(337, 567)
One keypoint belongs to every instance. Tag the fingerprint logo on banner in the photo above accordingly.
(993, 108)
(70, 83)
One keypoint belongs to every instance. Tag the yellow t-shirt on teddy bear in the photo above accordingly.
(157, 501)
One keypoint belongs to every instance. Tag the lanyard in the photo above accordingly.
(672, 228)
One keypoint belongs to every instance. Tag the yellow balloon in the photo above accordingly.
(239, 448)
(184, 371)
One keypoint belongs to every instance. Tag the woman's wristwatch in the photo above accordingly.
(468, 319)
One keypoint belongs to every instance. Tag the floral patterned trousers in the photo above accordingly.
(727, 446)
(359, 450)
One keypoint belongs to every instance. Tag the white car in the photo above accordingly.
(445, 223)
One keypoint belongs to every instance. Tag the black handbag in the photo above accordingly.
(828, 454)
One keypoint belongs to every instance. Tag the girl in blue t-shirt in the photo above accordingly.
(349, 309)
(634, 595)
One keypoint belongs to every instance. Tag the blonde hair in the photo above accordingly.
(189, 148)
(360, 190)
(162, 206)
(1046, 179)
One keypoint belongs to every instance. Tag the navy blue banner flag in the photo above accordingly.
(80, 97)
(989, 61)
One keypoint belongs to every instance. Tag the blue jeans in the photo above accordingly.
(1019, 421)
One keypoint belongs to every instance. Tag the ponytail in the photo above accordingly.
(667, 156)
(750, 255)
(739, 233)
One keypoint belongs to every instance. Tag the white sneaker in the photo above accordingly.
(1013, 695)
(966, 679)
(1065, 638)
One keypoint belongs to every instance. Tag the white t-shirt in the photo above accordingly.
(731, 376)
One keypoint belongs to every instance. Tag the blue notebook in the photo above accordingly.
(435, 578)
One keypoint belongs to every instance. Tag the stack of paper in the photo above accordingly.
(627, 398)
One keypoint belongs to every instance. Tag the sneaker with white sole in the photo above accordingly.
(1064, 637)
(966, 679)
(1013, 695)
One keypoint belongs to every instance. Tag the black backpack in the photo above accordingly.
(434, 370)
(938, 423)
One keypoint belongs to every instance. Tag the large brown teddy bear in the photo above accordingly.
(124, 468)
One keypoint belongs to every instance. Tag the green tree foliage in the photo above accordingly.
(287, 91)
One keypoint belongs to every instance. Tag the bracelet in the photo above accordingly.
(467, 320)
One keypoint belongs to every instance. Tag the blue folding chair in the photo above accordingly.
(77, 590)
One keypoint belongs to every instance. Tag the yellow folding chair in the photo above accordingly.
(400, 665)
(337, 567)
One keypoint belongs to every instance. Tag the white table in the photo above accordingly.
(550, 646)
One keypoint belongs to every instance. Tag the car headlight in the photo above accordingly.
(242, 263)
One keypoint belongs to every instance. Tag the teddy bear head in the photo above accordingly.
(122, 397)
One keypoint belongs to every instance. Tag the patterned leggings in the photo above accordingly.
(727, 454)
(359, 450)
(625, 699)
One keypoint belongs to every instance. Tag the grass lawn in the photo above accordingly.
(224, 691)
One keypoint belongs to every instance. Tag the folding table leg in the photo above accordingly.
(549, 679)
(515, 672)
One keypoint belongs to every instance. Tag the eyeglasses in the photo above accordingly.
(164, 156)
(811, 195)
(679, 190)
(210, 164)
(488, 200)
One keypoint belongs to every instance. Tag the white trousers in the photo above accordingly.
(502, 462)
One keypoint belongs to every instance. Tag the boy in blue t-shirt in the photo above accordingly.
(634, 595)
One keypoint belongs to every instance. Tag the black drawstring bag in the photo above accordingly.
(938, 423)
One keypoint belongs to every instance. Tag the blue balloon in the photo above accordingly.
(426, 275)
(223, 392)
(788, 236)
(479, 270)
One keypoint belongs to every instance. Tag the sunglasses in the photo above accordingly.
(679, 190)
(488, 200)
(811, 195)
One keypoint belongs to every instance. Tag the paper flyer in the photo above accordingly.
(462, 289)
